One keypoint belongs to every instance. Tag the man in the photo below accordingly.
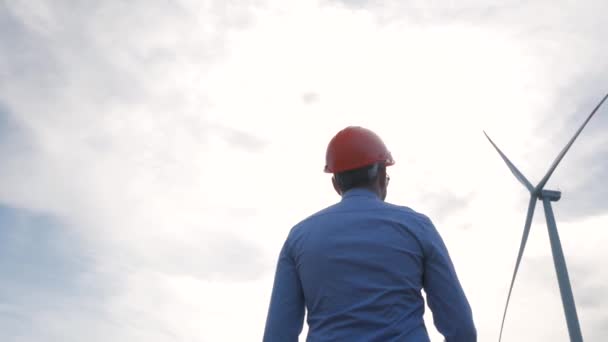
(359, 266)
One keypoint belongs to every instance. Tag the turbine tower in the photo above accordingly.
(548, 196)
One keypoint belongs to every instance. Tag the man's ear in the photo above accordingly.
(334, 182)
(382, 181)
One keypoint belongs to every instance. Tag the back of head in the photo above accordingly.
(358, 158)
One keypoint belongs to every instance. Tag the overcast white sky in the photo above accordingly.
(154, 154)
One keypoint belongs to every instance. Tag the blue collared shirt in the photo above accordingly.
(358, 267)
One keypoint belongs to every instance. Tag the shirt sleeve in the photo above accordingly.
(451, 311)
(286, 312)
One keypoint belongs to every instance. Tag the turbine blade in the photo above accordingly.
(524, 240)
(561, 155)
(520, 177)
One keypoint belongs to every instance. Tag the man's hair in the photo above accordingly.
(357, 178)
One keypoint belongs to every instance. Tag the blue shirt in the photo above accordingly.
(358, 267)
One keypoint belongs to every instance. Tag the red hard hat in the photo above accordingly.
(355, 147)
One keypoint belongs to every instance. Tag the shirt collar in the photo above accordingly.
(359, 192)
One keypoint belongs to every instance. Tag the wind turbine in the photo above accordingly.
(548, 196)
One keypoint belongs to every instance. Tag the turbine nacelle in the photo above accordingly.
(551, 195)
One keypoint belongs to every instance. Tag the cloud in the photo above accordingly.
(86, 145)
(8, 129)
(239, 138)
(50, 272)
(310, 97)
(56, 277)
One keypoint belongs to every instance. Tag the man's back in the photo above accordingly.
(359, 267)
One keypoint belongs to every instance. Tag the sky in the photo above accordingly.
(154, 154)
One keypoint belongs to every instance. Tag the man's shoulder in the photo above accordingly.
(408, 214)
(309, 220)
